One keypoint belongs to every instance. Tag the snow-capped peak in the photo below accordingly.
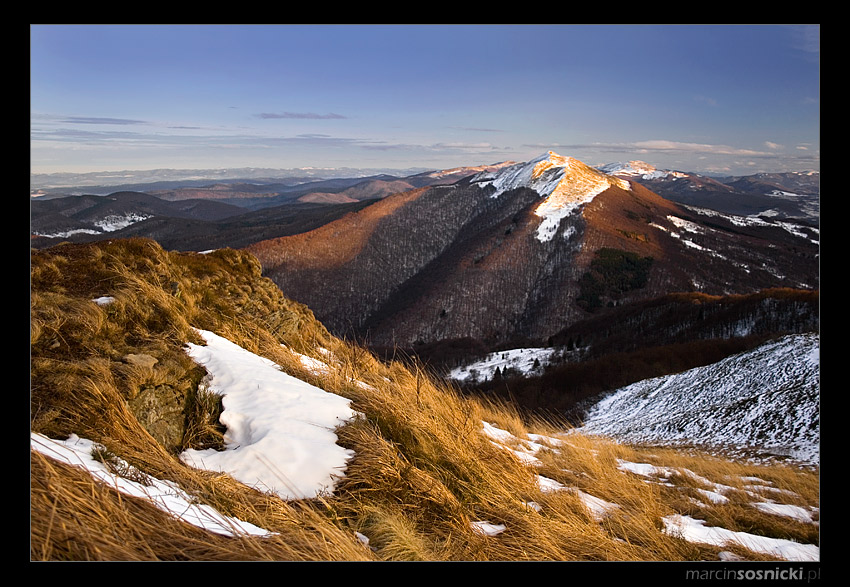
(564, 183)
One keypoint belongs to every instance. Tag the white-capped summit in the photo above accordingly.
(565, 184)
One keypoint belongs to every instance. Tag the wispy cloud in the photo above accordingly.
(100, 120)
(477, 129)
(74, 134)
(662, 145)
(806, 38)
(682, 155)
(431, 148)
(465, 146)
(381, 146)
(299, 115)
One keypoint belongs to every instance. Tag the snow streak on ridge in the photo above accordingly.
(564, 183)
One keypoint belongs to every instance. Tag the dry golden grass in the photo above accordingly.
(423, 471)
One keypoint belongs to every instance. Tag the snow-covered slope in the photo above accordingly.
(640, 170)
(455, 173)
(526, 361)
(766, 399)
(564, 184)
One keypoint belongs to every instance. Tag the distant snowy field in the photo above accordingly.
(526, 361)
(109, 223)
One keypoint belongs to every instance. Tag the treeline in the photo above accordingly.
(566, 390)
(667, 320)
(645, 339)
(682, 317)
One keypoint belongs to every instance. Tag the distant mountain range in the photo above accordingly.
(780, 195)
(497, 253)
(793, 195)
(192, 214)
(106, 182)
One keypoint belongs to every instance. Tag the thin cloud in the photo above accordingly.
(299, 116)
(465, 146)
(806, 38)
(66, 134)
(664, 145)
(477, 129)
(387, 147)
(447, 148)
(709, 158)
(101, 120)
(92, 138)
(660, 145)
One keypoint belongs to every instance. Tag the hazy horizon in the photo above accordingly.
(716, 99)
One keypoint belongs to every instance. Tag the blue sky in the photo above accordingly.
(716, 99)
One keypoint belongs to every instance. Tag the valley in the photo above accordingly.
(447, 266)
(468, 369)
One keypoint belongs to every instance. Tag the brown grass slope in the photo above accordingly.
(422, 471)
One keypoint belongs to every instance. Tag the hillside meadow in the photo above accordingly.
(434, 475)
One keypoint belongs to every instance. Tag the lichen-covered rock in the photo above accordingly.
(160, 410)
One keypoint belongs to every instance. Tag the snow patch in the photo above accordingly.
(280, 430)
(485, 528)
(640, 169)
(524, 360)
(165, 495)
(694, 530)
(804, 232)
(116, 222)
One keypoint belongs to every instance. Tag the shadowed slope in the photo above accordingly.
(523, 251)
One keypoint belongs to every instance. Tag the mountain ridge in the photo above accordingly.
(456, 258)
(791, 196)
(486, 270)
